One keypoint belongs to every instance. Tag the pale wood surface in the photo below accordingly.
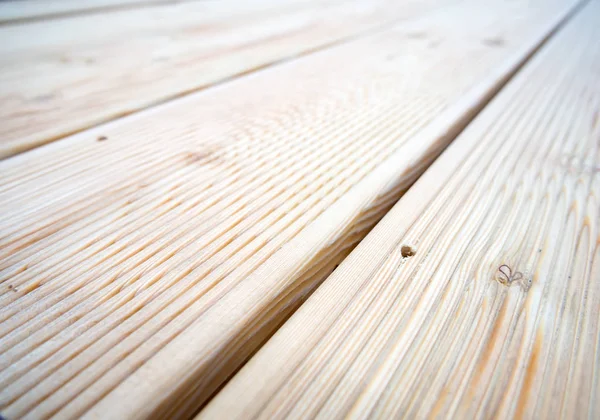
(143, 261)
(497, 313)
(12, 11)
(60, 76)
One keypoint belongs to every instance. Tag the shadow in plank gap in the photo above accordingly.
(142, 262)
(497, 313)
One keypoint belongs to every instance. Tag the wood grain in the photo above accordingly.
(496, 313)
(143, 261)
(61, 76)
(13, 11)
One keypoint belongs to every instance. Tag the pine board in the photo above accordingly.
(12, 11)
(61, 76)
(144, 260)
(496, 315)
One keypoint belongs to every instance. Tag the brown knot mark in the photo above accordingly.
(506, 277)
(202, 157)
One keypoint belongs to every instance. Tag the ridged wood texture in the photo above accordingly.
(143, 261)
(61, 76)
(497, 313)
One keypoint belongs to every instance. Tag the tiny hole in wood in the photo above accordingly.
(407, 251)
(102, 138)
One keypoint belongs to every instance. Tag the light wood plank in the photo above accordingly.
(496, 315)
(61, 76)
(12, 11)
(143, 261)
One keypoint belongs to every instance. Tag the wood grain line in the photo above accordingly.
(53, 84)
(142, 262)
(496, 313)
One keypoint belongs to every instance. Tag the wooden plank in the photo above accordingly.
(143, 261)
(478, 295)
(12, 11)
(54, 83)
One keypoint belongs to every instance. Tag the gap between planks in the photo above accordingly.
(496, 313)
